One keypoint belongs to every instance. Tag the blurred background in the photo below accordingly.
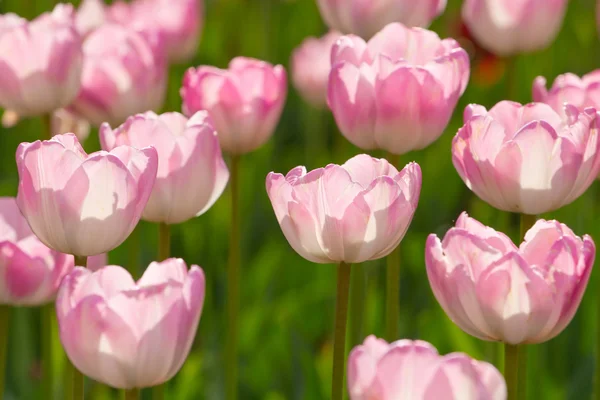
(287, 302)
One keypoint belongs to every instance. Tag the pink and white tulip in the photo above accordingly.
(413, 370)
(581, 92)
(244, 101)
(497, 291)
(367, 78)
(129, 334)
(527, 159)
(311, 64)
(40, 62)
(508, 27)
(83, 204)
(355, 212)
(124, 73)
(91, 14)
(365, 18)
(191, 171)
(64, 121)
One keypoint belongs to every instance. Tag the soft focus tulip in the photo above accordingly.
(123, 74)
(413, 370)
(191, 171)
(508, 27)
(365, 18)
(527, 159)
(244, 101)
(385, 94)
(90, 15)
(569, 88)
(40, 62)
(129, 334)
(83, 204)
(495, 290)
(355, 212)
(311, 64)
(64, 121)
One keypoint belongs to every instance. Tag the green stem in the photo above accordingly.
(76, 378)
(47, 314)
(47, 122)
(233, 288)
(392, 299)
(512, 80)
(526, 222)
(358, 288)
(339, 341)
(4, 321)
(511, 370)
(131, 394)
(134, 246)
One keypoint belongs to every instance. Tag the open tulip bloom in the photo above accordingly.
(413, 370)
(527, 159)
(398, 91)
(581, 92)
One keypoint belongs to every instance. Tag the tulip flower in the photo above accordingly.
(511, 27)
(41, 62)
(365, 18)
(191, 171)
(569, 88)
(495, 290)
(527, 159)
(129, 334)
(91, 15)
(64, 121)
(244, 101)
(366, 80)
(311, 64)
(413, 370)
(124, 73)
(351, 213)
(83, 204)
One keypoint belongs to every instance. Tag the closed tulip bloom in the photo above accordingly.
(40, 62)
(365, 18)
(413, 370)
(129, 334)
(508, 27)
(83, 204)
(495, 290)
(244, 101)
(124, 73)
(581, 92)
(311, 64)
(367, 78)
(527, 159)
(351, 213)
(191, 171)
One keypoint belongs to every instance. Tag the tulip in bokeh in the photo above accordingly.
(413, 370)
(191, 171)
(244, 101)
(129, 334)
(495, 290)
(124, 73)
(311, 64)
(365, 18)
(527, 159)
(569, 88)
(83, 204)
(384, 94)
(64, 121)
(90, 16)
(40, 62)
(351, 213)
(508, 27)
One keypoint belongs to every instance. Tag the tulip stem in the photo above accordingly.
(47, 122)
(511, 370)
(339, 340)
(4, 321)
(47, 314)
(131, 394)
(358, 287)
(392, 299)
(77, 381)
(233, 285)
(512, 79)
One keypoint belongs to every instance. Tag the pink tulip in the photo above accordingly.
(527, 159)
(413, 370)
(91, 15)
(569, 88)
(124, 73)
(40, 62)
(384, 94)
(244, 101)
(365, 18)
(355, 212)
(129, 334)
(508, 27)
(64, 121)
(495, 290)
(191, 171)
(83, 204)
(311, 64)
